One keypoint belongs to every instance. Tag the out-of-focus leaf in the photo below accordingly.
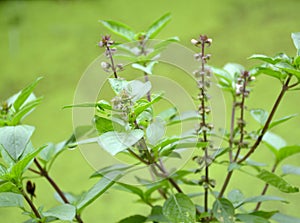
(287, 151)
(120, 29)
(147, 69)
(157, 215)
(296, 40)
(276, 181)
(281, 120)
(289, 169)
(249, 218)
(259, 115)
(155, 131)
(158, 25)
(8, 199)
(257, 199)
(281, 218)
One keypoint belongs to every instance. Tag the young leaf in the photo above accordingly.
(14, 139)
(8, 199)
(259, 115)
(249, 218)
(157, 26)
(263, 58)
(289, 69)
(281, 120)
(281, 218)
(19, 168)
(289, 169)
(235, 196)
(115, 142)
(119, 29)
(25, 110)
(147, 69)
(296, 40)
(274, 140)
(137, 89)
(65, 212)
(99, 188)
(104, 124)
(24, 94)
(117, 85)
(142, 105)
(276, 181)
(134, 219)
(179, 208)
(223, 210)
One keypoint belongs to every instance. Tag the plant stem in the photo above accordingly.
(45, 174)
(112, 61)
(264, 191)
(32, 206)
(232, 128)
(285, 87)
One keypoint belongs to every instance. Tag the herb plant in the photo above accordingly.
(129, 126)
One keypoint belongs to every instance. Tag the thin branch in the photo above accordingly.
(32, 206)
(264, 191)
(284, 89)
(45, 174)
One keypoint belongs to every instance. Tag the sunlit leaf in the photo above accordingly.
(115, 142)
(289, 169)
(147, 69)
(276, 181)
(249, 218)
(158, 25)
(155, 131)
(14, 139)
(259, 115)
(281, 218)
(134, 219)
(296, 40)
(119, 29)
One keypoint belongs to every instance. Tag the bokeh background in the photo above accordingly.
(58, 40)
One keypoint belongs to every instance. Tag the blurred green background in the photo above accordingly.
(58, 40)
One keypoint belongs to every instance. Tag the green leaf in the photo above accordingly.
(117, 85)
(134, 219)
(8, 187)
(147, 69)
(249, 218)
(115, 142)
(287, 151)
(65, 212)
(289, 169)
(158, 25)
(104, 124)
(19, 168)
(130, 188)
(179, 208)
(289, 69)
(281, 120)
(142, 105)
(157, 215)
(137, 89)
(168, 114)
(25, 110)
(235, 196)
(97, 190)
(155, 131)
(8, 199)
(184, 116)
(120, 29)
(259, 115)
(223, 210)
(257, 199)
(276, 181)
(274, 140)
(24, 94)
(15, 139)
(281, 218)
(263, 58)
(296, 40)
(271, 71)
(113, 168)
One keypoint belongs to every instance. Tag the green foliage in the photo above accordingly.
(130, 125)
